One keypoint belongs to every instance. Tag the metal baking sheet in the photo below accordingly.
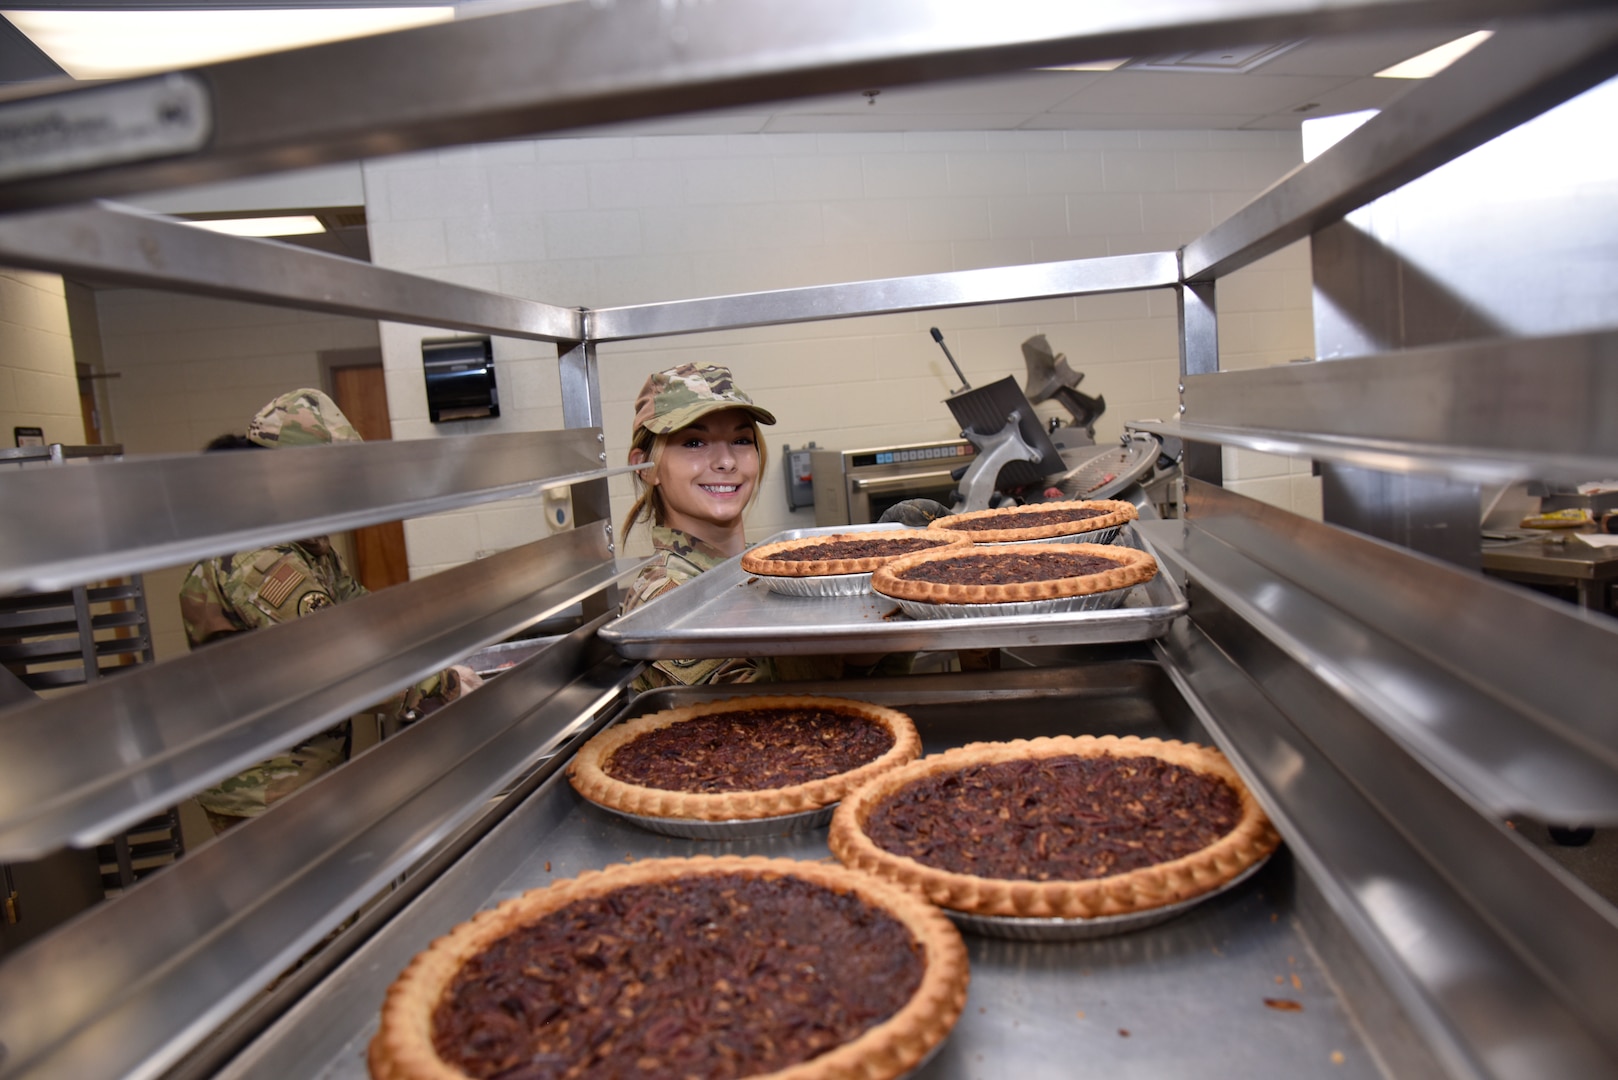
(728, 612)
(1187, 997)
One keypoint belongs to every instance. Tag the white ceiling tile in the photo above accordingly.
(693, 124)
(1136, 122)
(1032, 91)
(1362, 94)
(1287, 121)
(1359, 54)
(1147, 92)
(874, 121)
(1353, 97)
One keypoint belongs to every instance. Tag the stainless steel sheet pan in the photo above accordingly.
(728, 612)
(1186, 997)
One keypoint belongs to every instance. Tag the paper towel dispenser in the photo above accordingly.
(460, 378)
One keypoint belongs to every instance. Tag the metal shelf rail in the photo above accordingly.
(78, 635)
(1387, 801)
(547, 68)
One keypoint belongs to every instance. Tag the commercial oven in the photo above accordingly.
(854, 487)
(1395, 711)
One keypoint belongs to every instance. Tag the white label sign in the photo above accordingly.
(106, 125)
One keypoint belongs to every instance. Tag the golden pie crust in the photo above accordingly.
(1133, 567)
(757, 560)
(403, 1047)
(588, 772)
(1117, 513)
(1251, 841)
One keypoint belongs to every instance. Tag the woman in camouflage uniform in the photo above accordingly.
(249, 590)
(701, 434)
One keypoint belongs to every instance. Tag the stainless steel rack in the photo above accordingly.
(1376, 700)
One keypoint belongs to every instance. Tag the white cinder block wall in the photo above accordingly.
(602, 222)
(38, 383)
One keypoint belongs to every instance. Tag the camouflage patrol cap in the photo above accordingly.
(676, 398)
(301, 418)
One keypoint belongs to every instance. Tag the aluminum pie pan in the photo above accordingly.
(1095, 536)
(1100, 601)
(818, 585)
(1018, 928)
(732, 829)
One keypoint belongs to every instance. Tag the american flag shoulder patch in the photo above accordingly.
(280, 583)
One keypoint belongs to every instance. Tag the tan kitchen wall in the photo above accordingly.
(38, 384)
(190, 368)
(610, 221)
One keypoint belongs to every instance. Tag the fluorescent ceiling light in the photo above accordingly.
(1433, 61)
(112, 44)
(1089, 65)
(295, 225)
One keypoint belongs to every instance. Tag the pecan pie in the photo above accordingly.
(703, 967)
(742, 758)
(1068, 827)
(1012, 574)
(1038, 521)
(845, 553)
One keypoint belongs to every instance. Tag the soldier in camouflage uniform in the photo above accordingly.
(702, 433)
(248, 590)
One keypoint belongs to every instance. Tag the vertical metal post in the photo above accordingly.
(581, 384)
(1199, 355)
(148, 654)
(87, 633)
(581, 408)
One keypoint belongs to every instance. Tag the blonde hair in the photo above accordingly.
(648, 502)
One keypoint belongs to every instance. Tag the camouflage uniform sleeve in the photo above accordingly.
(203, 607)
(345, 586)
(247, 591)
(276, 585)
(251, 792)
(666, 572)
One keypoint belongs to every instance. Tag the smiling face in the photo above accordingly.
(707, 473)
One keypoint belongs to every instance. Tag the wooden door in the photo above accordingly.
(379, 550)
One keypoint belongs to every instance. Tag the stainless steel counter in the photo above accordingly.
(1557, 560)
(1187, 997)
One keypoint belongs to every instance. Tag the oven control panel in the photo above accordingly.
(900, 455)
(853, 487)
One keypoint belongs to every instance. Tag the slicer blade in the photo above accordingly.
(1100, 472)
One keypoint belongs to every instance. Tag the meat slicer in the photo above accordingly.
(1018, 459)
